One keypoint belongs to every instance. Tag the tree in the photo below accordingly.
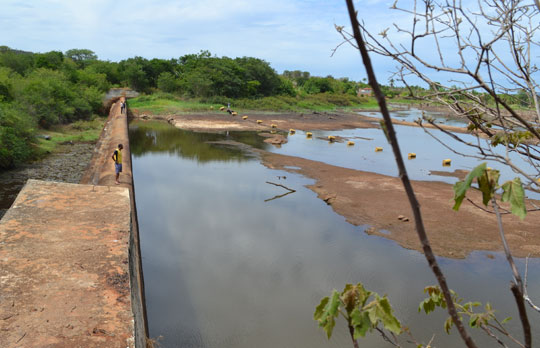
(167, 82)
(16, 136)
(50, 60)
(18, 61)
(134, 75)
(493, 42)
(318, 85)
(83, 57)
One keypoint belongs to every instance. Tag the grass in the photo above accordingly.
(168, 104)
(162, 103)
(77, 132)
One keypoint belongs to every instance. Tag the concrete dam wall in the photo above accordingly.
(70, 265)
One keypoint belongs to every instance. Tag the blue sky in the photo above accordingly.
(289, 34)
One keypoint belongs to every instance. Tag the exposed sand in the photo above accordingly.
(379, 201)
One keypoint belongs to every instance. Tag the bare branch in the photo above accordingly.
(428, 252)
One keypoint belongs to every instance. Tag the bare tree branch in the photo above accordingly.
(428, 252)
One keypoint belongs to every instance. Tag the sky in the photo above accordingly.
(288, 34)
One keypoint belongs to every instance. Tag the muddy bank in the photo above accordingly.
(260, 121)
(66, 165)
(380, 202)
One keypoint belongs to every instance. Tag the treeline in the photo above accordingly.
(40, 90)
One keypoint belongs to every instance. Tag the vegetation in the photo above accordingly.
(41, 90)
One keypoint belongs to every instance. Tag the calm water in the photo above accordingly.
(223, 268)
(413, 114)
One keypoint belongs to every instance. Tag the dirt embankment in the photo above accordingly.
(379, 201)
(259, 121)
(66, 165)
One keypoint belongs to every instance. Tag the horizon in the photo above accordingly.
(289, 35)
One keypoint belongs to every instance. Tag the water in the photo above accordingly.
(429, 153)
(413, 114)
(223, 268)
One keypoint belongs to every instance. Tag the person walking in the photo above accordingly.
(117, 158)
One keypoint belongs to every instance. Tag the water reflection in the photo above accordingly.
(160, 137)
(223, 268)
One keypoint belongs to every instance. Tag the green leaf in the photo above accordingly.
(506, 320)
(327, 311)
(448, 325)
(473, 322)
(488, 183)
(461, 187)
(428, 305)
(354, 296)
(361, 323)
(380, 309)
(320, 308)
(513, 192)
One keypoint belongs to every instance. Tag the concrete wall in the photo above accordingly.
(101, 172)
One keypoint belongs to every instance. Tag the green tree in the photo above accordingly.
(16, 136)
(18, 61)
(167, 82)
(50, 60)
(133, 74)
(316, 85)
(82, 57)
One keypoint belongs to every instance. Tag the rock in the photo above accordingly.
(276, 139)
(401, 217)
(328, 198)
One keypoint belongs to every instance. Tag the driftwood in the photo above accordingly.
(282, 195)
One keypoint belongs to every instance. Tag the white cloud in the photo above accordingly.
(294, 34)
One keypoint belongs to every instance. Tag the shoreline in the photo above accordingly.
(379, 201)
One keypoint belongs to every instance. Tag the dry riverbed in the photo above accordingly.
(375, 200)
(66, 165)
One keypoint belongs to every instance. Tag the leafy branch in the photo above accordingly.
(361, 316)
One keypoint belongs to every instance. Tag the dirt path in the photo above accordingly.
(379, 201)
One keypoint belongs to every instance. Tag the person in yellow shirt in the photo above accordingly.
(117, 158)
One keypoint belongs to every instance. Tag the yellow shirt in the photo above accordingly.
(118, 154)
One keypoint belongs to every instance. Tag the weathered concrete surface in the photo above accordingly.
(101, 172)
(101, 168)
(64, 278)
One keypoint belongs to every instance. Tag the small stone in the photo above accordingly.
(401, 217)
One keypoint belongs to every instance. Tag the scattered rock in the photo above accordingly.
(403, 218)
(328, 198)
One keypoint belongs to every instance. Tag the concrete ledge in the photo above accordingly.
(64, 273)
(101, 172)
